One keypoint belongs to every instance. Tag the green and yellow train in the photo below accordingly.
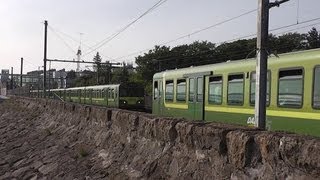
(125, 96)
(225, 92)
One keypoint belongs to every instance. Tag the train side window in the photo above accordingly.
(169, 90)
(109, 94)
(235, 89)
(112, 93)
(199, 89)
(290, 91)
(215, 90)
(106, 95)
(155, 90)
(316, 88)
(160, 89)
(253, 88)
(191, 89)
(181, 90)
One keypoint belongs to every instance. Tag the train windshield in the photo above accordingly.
(131, 92)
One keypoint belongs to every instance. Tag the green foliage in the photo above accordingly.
(47, 132)
(200, 53)
(313, 38)
(83, 152)
(121, 75)
(197, 53)
(97, 59)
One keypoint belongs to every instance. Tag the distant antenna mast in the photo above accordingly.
(79, 55)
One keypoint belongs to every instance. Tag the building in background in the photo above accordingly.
(5, 80)
(60, 77)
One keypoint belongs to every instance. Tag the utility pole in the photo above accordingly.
(45, 59)
(21, 71)
(11, 78)
(39, 78)
(262, 60)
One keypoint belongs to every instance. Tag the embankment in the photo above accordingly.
(45, 138)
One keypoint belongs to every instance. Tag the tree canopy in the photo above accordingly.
(200, 53)
(162, 58)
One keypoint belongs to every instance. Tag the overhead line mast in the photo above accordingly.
(262, 60)
(45, 59)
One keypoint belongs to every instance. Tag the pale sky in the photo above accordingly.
(22, 29)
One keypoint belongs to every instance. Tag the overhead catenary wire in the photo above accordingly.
(209, 27)
(64, 42)
(89, 47)
(233, 39)
(275, 29)
(298, 9)
(206, 52)
(108, 39)
(217, 60)
(197, 31)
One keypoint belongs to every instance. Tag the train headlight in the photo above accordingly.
(140, 102)
(122, 101)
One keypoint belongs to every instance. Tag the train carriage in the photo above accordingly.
(125, 95)
(225, 92)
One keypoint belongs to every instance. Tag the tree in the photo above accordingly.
(152, 62)
(200, 53)
(121, 75)
(71, 76)
(313, 38)
(97, 59)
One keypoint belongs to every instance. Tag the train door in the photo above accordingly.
(161, 97)
(196, 95)
(156, 97)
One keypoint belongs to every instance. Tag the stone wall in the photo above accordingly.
(63, 140)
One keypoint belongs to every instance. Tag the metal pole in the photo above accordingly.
(262, 60)
(261, 65)
(39, 77)
(21, 71)
(45, 59)
(11, 78)
(49, 79)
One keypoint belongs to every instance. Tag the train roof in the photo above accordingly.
(88, 87)
(95, 87)
(291, 57)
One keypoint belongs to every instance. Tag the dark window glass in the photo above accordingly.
(290, 88)
(112, 93)
(160, 89)
(253, 88)
(235, 89)
(191, 89)
(100, 94)
(181, 90)
(130, 90)
(124, 92)
(215, 90)
(169, 90)
(109, 94)
(316, 88)
(199, 89)
(155, 90)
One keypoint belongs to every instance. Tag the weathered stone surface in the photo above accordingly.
(46, 139)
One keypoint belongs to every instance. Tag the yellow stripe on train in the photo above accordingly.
(291, 114)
